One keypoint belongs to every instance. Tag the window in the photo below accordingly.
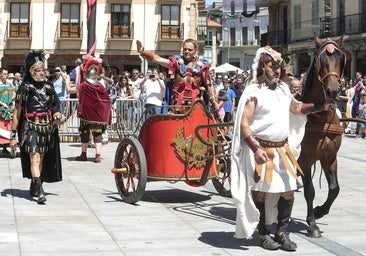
(363, 15)
(170, 21)
(208, 40)
(232, 8)
(244, 33)
(201, 27)
(257, 32)
(120, 15)
(297, 17)
(232, 36)
(363, 7)
(342, 18)
(70, 20)
(19, 20)
(315, 12)
(245, 6)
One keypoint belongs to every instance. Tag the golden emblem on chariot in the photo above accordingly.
(190, 150)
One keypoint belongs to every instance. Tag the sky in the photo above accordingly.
(209, 2)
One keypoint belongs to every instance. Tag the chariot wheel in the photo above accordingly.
(223, 182)
(131, 174)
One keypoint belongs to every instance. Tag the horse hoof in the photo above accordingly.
(319, 213)
(314, 233)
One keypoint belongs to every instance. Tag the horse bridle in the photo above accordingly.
(329, 46)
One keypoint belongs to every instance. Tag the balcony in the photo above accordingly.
(69, 36)
(170, 32)
(275, 38)
(170, 37)
(18, 35)
(121, 31)
(120, 37)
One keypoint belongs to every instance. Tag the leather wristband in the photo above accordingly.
(252, 143)
(13, 134)
(148, 55)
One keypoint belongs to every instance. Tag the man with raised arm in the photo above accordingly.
(191, 75)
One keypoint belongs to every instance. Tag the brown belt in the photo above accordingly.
(270, 144)
(285, 154)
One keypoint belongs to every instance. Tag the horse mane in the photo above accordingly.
(309, 78)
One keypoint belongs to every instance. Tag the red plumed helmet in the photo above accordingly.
(91, 68)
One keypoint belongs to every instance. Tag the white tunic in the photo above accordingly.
(271, 122)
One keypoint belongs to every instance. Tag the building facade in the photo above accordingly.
(239, 37)
(293, 23)
(59, 28)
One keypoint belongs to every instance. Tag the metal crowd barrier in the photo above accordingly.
(126, 114)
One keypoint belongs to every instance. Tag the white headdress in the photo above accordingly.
(264, 50)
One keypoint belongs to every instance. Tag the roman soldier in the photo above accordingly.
(191, 76)
(35, 119)
(94, 108)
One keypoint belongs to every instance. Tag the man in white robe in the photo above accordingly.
(265, 147)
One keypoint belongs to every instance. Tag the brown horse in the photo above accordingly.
(323, 132)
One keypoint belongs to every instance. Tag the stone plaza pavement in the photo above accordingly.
(84, 214)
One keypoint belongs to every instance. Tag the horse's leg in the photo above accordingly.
(330, 171)
(309, 194)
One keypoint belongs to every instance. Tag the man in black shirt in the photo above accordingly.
(238, 87)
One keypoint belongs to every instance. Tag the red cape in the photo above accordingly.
(94, 103)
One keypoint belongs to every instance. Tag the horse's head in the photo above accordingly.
(330, 62)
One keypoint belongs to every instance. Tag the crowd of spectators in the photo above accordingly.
(128, 85)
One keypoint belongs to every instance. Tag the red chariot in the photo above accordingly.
(189, 147)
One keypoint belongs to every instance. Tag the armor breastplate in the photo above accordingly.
(187, 84)
(39, 99)
(38, 108)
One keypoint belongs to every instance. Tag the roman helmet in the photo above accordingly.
(34, 61)
(92, 68)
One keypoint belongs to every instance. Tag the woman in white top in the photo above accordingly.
(124, 89)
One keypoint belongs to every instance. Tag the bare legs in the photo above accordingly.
(84, 148)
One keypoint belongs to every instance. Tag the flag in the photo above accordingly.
(90, 5)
